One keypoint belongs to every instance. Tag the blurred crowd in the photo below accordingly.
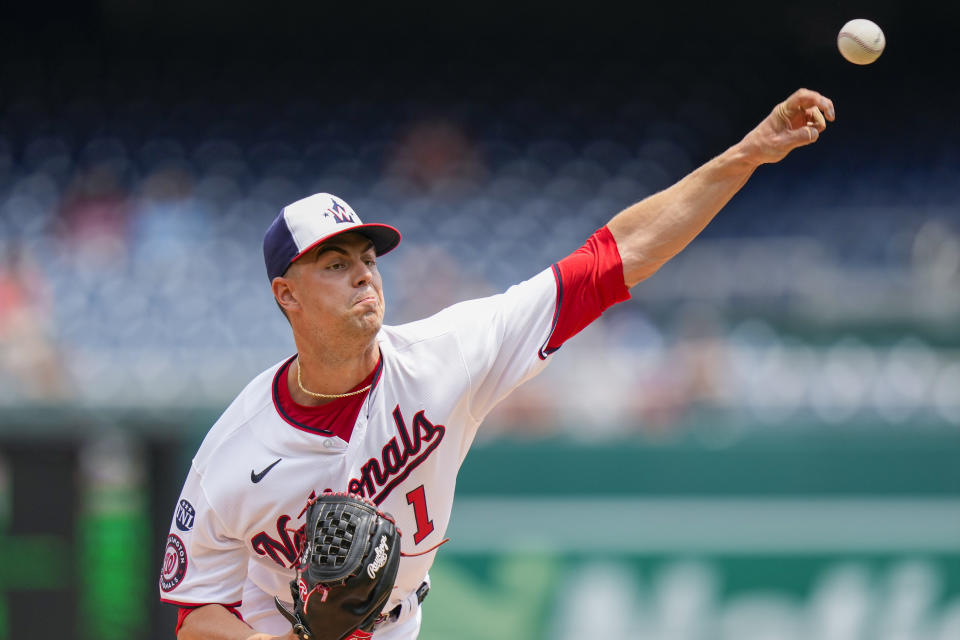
(131, 217)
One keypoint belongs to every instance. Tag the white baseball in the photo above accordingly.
(861, 41)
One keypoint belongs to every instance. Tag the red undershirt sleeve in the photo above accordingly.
(183, 612)
(589, 281)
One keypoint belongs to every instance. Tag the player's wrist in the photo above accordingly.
(742, 158)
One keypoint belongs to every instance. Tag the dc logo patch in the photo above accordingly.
(184, 516)
(174, 563)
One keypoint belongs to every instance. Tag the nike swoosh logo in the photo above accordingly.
(257, 477)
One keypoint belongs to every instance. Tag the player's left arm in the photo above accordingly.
(657, 228)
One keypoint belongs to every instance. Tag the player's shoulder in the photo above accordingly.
(253, 403)
(443, 324)
(470, 313)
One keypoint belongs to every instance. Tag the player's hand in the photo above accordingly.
(795, 122)
(290, 635)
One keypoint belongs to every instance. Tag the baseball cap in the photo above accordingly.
(304, 224)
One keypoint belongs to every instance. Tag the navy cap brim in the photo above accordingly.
(384, 238)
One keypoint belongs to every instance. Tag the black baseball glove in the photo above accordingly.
(348, 563)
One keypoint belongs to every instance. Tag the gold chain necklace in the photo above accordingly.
(328, 396)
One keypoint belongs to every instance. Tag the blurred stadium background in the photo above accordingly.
(763, 444)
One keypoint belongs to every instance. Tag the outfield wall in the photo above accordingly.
(846, 534)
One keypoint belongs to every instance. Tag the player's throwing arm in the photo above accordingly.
(654, 230)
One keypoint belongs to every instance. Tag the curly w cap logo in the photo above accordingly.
(380, 559)
(340, 212)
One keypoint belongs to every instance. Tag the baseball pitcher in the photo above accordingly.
(317, 502)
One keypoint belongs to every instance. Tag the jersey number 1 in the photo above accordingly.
(424, 524)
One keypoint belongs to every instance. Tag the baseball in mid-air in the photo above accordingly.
(861, 41)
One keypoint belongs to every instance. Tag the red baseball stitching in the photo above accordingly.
(859, 42)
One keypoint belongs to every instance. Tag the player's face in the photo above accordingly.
(339, 289)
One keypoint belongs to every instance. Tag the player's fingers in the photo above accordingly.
(815, 118)
(802, 136)
(803, 99)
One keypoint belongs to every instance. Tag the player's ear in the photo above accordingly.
(285, 295)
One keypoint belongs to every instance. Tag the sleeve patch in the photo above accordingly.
(174, 563)
(185, 515)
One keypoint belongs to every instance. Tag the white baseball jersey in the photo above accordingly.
(232, 541)
(235, 533)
